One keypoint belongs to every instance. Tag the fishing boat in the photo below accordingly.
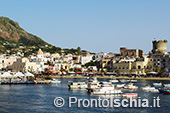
(148, 88)
(167, 85)
(120, 85)
(161, 90)
(93, 84)
(157, 84)
(124, 80)
(134, 81)
(129, 95)
(113, 81)
(106, 90)
(130, 86)
(54, 81)
(166, 91)
(154, 90)
(77, 85)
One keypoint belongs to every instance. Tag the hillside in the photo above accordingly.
(13, 37)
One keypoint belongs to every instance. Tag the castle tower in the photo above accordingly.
(159, 46)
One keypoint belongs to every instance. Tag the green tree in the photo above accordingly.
(117, 72)
(75, 70)
(161, 71)
(79, 50)
(102, 71)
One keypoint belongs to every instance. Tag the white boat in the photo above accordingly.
(106, 90)
(113, 81)
(77, 85)
(93, 84)
(124, 80)
(134, 81)
(54, 81)
(148, 88)
(120, 85)
(154, 90)
(157, 84)
(130, 86)
(167, 85)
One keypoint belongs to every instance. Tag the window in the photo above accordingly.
(139, 67)
(119, 67)
(127, 67)
(123, 68)
(147, 67)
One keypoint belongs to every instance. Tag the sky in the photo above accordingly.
(94, 25)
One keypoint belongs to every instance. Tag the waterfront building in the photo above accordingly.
(85, 57)
(22, 65)
(132, 53)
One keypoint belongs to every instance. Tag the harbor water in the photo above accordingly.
(40, 99)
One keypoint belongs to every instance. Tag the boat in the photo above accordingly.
(54, 81)
(129, 95)
(167, 85)
(77, 85)
(93, 84)
(157, 84)
(134, 81)
(148, 88)
(130, 86)
(166, 91)
(124, 80)
(154, 90)
(120, 85)
(113, 81)
(106, 90)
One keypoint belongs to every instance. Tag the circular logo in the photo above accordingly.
(59, 102)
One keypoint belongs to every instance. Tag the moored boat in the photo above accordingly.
(148, 88)
(77, 85)
(106, 90)
(167, 85)
(157, 84)
(166, 91)
(113, 81)
(54, 81)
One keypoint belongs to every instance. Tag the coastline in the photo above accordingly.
(109, 77)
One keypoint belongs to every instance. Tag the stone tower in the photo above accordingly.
(159, 46)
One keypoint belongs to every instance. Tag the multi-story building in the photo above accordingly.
(132, 53)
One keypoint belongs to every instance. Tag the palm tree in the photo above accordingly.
(75, 70)
(130, 71)
(102, 71)
(117, 72)
(161, 71)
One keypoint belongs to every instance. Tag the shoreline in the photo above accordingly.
(108, 77)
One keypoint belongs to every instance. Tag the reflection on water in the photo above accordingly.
(39, 98)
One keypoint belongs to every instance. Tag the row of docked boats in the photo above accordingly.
(95, 87)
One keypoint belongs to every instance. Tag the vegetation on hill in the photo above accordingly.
(14, 39)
